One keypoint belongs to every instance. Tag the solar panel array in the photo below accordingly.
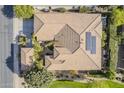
(90, 43)
(93, 46)
(88, 40)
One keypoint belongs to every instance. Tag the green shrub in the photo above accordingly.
(38, 51)
(113, 46)
(23, 11)
(36, 78)
(97, 74)
(104, 36)
(110, 75)
(83, 9)
(118, 16)
(22, 40)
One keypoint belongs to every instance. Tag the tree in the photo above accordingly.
(36, 78)
(117, 16)
(23, 11)
(38, 53)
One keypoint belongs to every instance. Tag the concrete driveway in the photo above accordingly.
(28, 30)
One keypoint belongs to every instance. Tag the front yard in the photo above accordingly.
(94, 84)
(67, 84)
(110, 66)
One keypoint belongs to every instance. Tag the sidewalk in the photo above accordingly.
(17, 26)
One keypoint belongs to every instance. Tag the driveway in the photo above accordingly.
(28, 30)
(6, 48)
(24, 27)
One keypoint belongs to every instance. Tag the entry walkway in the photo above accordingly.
(17, 27)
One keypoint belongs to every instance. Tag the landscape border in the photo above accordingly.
(62, 2)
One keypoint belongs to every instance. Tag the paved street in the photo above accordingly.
(6, 53)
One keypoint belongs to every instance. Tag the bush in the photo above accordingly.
(38, 50)
(104, 36)
(118, 16)
(62, 10)
(113, 46)
(23, 11)
(22, 40)
(110, 75)
(97, 74)
(36, 78)
(83, 9)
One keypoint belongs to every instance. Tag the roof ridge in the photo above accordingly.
(89, 25)
(96, 27)
(97, 33)
(41, 25)
(57, 52)
(74, 32)
(28, 50)
(90, 58)
(77, 34)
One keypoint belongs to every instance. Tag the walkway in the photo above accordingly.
(17, 27)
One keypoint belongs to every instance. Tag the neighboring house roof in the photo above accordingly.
(26, 57)
(69, 29)
(120, 63)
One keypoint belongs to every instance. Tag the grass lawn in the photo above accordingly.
(95, 84)
(67, 84)
(105, 84)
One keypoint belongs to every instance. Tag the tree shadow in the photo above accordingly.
(10, 61)
(8, 11)
(120, 29)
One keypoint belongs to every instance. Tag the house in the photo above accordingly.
(26, 58)
(78, 40)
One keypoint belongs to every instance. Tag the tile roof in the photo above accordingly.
(78, 21)
(26, 57)
(80, 59)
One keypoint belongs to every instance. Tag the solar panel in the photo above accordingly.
(88, 40)
(93, 47)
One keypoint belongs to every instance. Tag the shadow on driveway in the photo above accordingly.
(10, 61)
